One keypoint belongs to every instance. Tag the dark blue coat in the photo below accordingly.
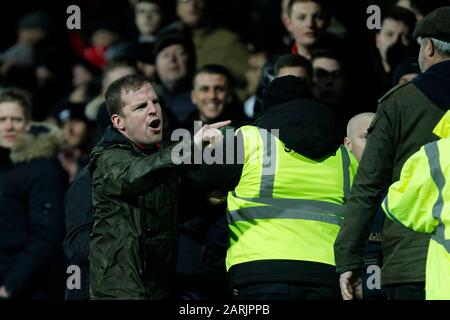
(31, 214)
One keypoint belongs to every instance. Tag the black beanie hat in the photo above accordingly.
(70, 111)
(176, 38)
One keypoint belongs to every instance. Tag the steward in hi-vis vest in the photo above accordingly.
(420, 200)
(285, 201)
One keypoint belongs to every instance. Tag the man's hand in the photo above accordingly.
(3, 293)
(351, 285)
(216, 197)
(210, 133)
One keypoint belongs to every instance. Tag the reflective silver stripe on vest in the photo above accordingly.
(274, 212)
(269, 163)
(346, 168)
(432, 152)
(282, 208)
(310, 206)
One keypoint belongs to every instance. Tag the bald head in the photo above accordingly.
(355, 141)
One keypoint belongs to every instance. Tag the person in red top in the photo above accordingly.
(307, 21)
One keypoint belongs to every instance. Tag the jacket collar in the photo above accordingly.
(42, 141)
(113, 137)
(435, 84)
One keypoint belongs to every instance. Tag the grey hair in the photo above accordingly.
(442, 47)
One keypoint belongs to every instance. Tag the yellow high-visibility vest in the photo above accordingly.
(420, 200)
(286, 206)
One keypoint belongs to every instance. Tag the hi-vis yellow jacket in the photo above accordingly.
(420, 200)
(286, 206)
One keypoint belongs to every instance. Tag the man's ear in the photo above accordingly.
(117, 122)
(429, 48)
(229, 97)
(377, 40)
(194, 101)
(285, 20)
(348, 143)
(288, 24)
(28, 126)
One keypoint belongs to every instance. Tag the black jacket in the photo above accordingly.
(31, 213)
(78, 205)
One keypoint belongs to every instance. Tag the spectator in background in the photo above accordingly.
(78, 134)
(406, 71)
(175, 64)
(32, 29)
(213, 44)
(330, 84)
(32, 185)
(203, 237)
(104, 34)
(113, 71)
(307, 21)
(277, 66)
(149, 18)
(256, 61)
(84, 81)
(214, 97)
(294, 65)
(393, 44)
(355, 142)
(328, 78)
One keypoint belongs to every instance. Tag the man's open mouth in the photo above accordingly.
(155, 124)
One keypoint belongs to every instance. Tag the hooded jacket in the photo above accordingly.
(31, 211)
(308, 128)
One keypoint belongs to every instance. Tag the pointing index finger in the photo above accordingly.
(219, 125)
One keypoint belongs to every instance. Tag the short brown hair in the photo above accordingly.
(321, 2)
(293, 60)
(215, 69)
(113, 95)
(19, 96)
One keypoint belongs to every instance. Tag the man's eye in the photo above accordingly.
(319, 16)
